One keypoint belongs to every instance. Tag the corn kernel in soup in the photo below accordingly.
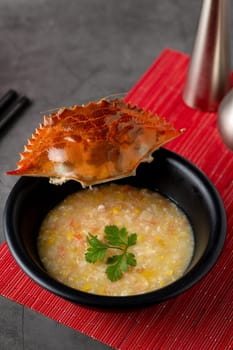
(163, 250)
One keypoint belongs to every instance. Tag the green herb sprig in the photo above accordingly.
(114, 238)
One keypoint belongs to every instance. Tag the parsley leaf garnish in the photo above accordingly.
(114, 238)
(97, 251)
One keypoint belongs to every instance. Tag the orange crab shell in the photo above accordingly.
(93, 143)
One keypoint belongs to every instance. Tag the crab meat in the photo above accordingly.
(93, 143)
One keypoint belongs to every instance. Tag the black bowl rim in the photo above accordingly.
(122, 302)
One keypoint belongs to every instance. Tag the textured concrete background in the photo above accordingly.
(64, 52)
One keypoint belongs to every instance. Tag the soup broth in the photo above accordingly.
(163, 250)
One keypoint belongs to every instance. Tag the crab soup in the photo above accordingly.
(162, 251)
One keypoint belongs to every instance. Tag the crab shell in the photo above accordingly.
(93, 143)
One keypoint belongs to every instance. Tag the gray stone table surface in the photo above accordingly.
(64, 52)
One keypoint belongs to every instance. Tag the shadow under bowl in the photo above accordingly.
(172, 176)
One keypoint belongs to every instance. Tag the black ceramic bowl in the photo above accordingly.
(169, 174)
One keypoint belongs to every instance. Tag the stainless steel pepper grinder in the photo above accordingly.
(209, 73)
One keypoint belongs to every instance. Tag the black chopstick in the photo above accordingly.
(11, 106)
(7, 99)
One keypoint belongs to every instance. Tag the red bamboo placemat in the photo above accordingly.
(202, 317)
